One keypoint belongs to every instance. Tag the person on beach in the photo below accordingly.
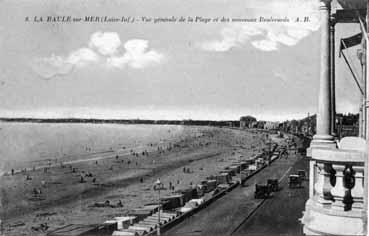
(12, 171)
(36, 191)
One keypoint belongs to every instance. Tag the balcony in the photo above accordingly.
(336, 204)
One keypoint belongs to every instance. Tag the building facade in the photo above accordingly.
(338, 173)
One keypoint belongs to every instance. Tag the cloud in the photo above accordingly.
(52, 66)
(57, 65)
(136, 56)
(105, 43)
(103, 49)
(268, 36)
(265, 45)
(82, 57)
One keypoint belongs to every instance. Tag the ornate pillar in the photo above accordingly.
(323, 137)
(332, 74)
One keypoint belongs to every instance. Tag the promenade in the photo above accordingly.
(238, 213)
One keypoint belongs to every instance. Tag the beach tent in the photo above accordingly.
(252, 167)
(188, 194)
(231, 172)
(211, 185)
(74, 230)
(141, 228)
(109, 226)
(123, 222)
(175, 201)
(223, 178)
(200, 188)
(151, 207)
(124, 233)
(236, 168)
(140, 213)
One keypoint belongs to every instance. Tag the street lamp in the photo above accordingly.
(157, 187)
(240, 162)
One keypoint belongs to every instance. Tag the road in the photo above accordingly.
(238, 213)
(279, 215)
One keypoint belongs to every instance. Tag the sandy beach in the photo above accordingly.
(66, 191)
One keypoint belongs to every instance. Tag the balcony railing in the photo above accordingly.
(336, 204)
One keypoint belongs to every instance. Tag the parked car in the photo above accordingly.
(294, 181)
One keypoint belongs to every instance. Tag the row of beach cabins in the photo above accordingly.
(177, 206)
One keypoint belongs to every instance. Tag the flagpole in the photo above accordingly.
(351, 70)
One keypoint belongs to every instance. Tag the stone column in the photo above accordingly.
(323, 137)
(332, 75)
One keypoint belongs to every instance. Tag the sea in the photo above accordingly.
(29, 145)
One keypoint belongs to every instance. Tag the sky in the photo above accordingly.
(217, 71)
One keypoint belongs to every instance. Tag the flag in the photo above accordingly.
(350, 41)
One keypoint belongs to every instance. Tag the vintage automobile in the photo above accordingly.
(294, 181)
(262, 191)
(273, 183)
(301, 150)
(302, 174)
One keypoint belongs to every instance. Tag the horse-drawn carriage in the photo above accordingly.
(283, 151)
(295, 181)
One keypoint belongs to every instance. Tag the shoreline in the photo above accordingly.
(226, 145)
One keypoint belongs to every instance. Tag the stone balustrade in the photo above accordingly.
(336, 204)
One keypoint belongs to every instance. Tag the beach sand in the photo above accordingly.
(128, 178)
